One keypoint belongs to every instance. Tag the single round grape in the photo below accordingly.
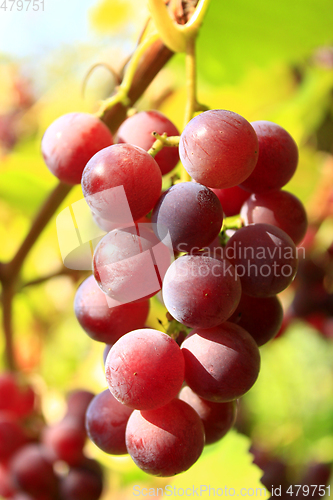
(201, 291)
(145, 369)
(165, 441)
(137, 130)
(129, 264)
(32, 470)
(7, 488)
(261, 317)
(77, 404)
(84, 482)
(278, 208)
(106, 320)
(106, 422)
(221, 363)
(190, 213)
(265, 259)
(218, 148)
(277, 161)
(70, 142)
(121, 165)
(12, 436)
(8, 391)
(217, 418)
(65, 440)
(231, 199)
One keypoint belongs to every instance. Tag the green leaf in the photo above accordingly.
(239, 35)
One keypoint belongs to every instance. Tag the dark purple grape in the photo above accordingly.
(165, 441)
(137, 130)
(32, 470)
(221, 363)
(231, 199)
(84, 482)
(261, 317)
(106, 421)
(278, 208)
(145, 369)
(129, 264)
(219, 148)
(277, 161)
(265, 259)
(128, 168)
(217, 418)
(106, 352)
(201, 291)
(70, 142)
(104, 319)
(190, 213)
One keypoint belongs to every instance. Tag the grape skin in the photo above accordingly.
(265, 258)
(231, 199)
(165, 441)
(200, 291)
(137, 130)
(217, 418)
(279, 208)
(277, 161)
(145, 369)
(100, 320)
(191, 213)
(106, 421)
(261, 317)
(70, 142)
(65, 440)
(218, 148)
(121, 165)
(221, 363)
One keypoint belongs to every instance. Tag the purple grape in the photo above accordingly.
(221, 363)
(201, 291)
(190, 213)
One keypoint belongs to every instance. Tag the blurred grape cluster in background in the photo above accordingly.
(263, 60)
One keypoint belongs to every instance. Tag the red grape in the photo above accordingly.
(265, 259)
(127, 166)
(279, 208)
(165, 441)
(231, 199)
(106, 421)
(201, 291)
(219, 148)
(221, 363)
(261, 317)
(277, 161)
(137, 130)
(192, 215)
(70, 141)
(84, 482)
(65, 440)
(105, 320)
(77, 404)
(145, 369)
(217, 418)
(12, 436)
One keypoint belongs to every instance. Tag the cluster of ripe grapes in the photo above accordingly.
(38, 462)
(219, 284)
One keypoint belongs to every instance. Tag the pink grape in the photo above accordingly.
(106, 422)
(70, 142)
(217, 418)
(165, 441)
(127, 166)
(231, 199)
(106, 321)
(145, 369)
(277, 161)
(219, 148)
(137, 130)
(221, 363)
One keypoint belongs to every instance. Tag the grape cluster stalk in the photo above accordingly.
(168, 396)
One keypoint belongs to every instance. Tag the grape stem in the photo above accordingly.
(234, 222)
(161, 141)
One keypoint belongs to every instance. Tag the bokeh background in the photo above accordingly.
(263, 60)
